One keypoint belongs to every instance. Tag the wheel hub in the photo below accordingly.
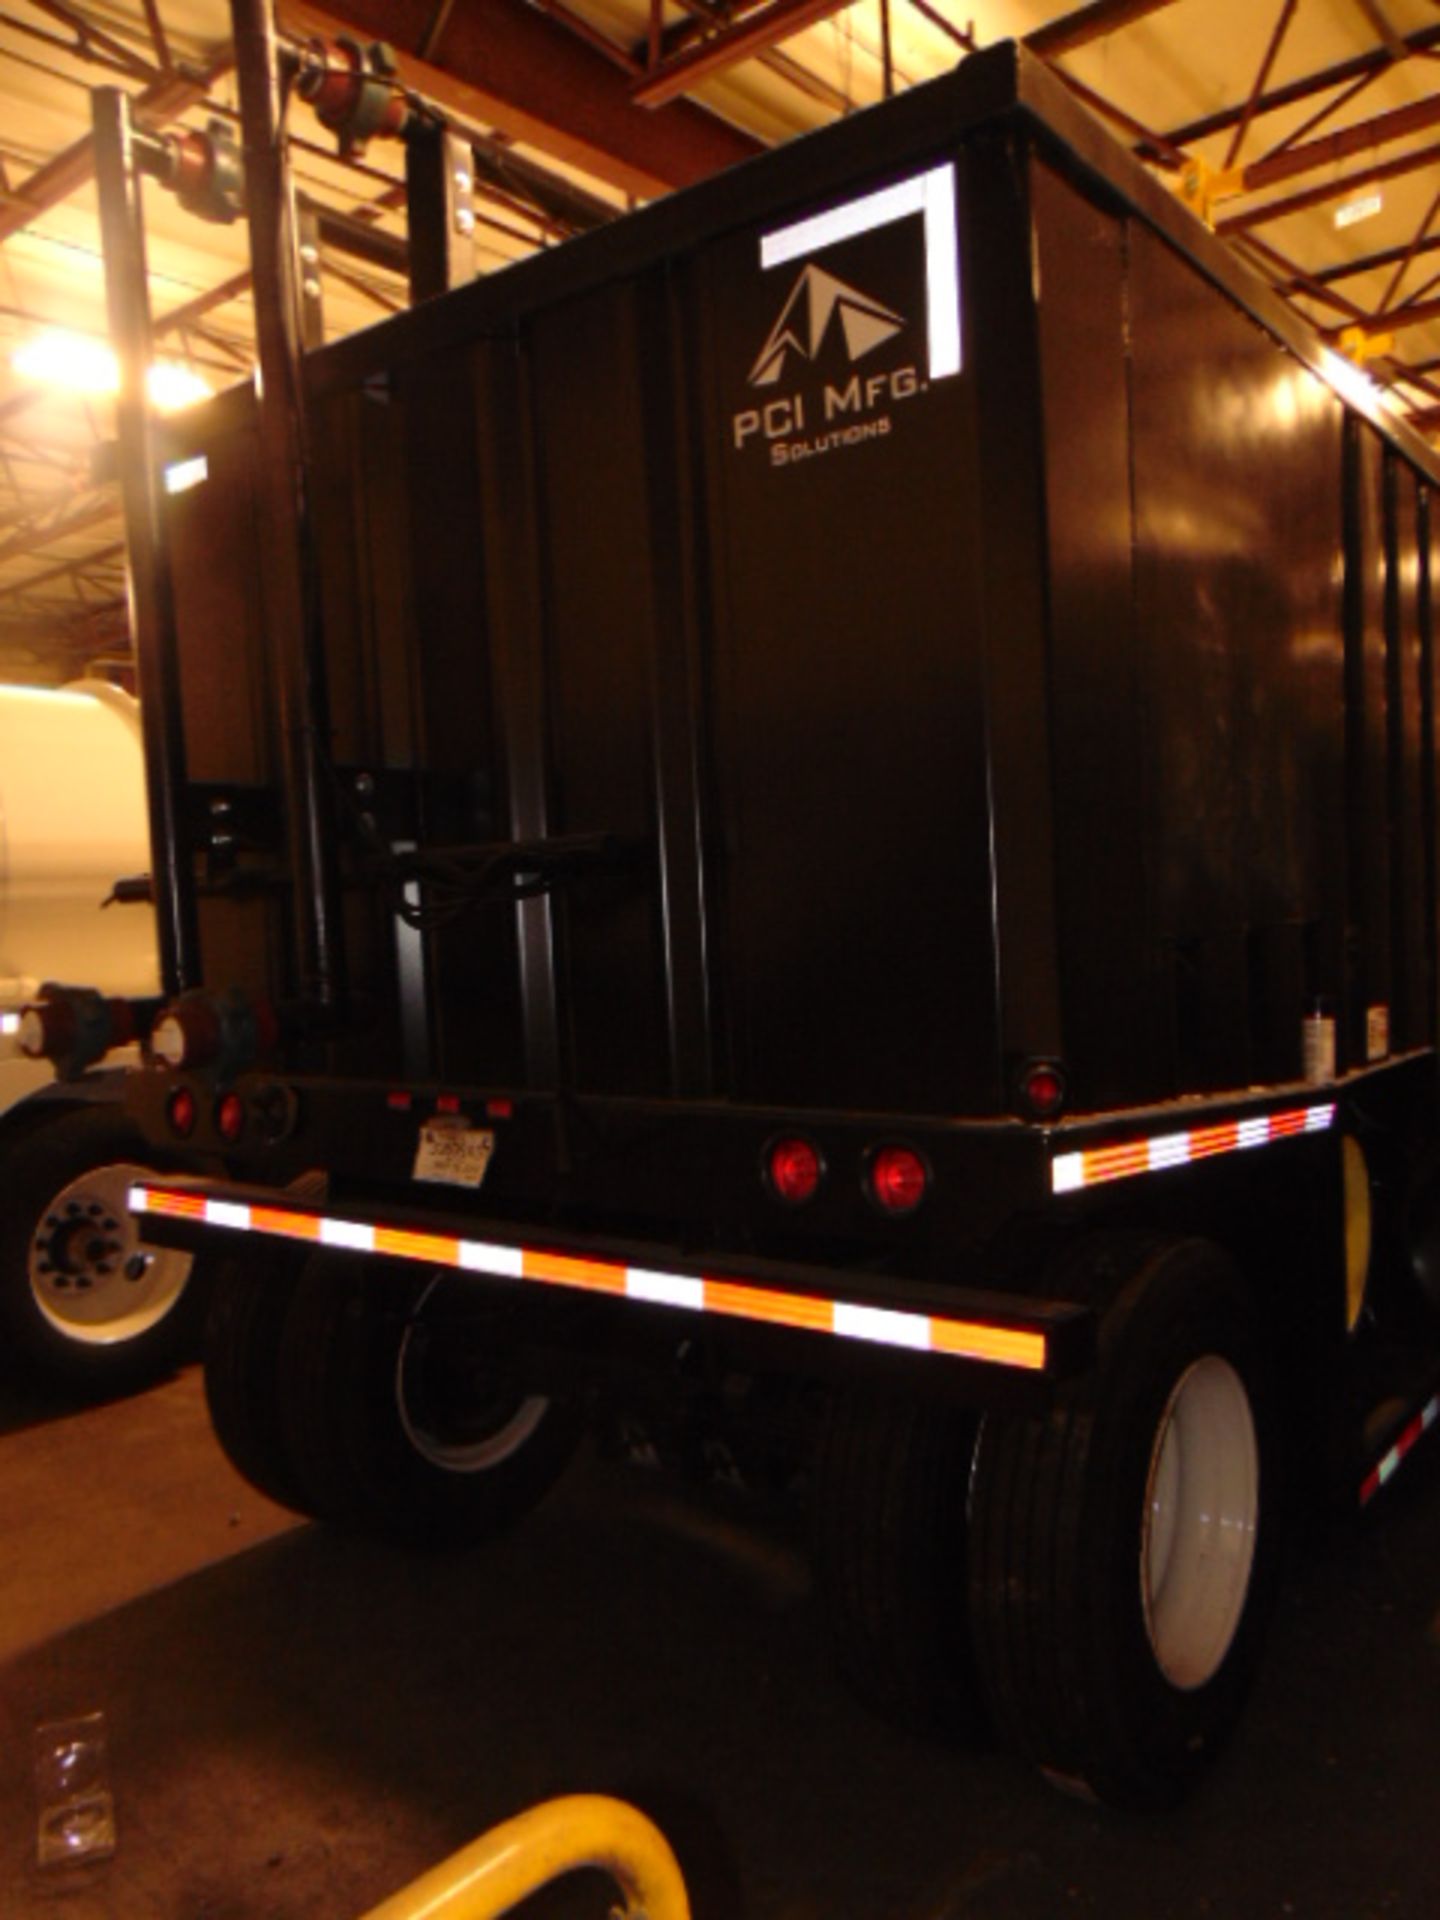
(90, 1274)
(456, 1405)
(1202, 1502)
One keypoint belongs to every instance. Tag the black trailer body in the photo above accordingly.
(883, 759)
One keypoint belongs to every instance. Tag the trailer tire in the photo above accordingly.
(889, 1551)
(250, 1302)
(86, 1305)
(1124, 1547)
(400, 1414)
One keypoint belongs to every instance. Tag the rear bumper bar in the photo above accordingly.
(1037, 1338)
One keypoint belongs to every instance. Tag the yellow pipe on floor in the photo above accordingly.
(505, 1866)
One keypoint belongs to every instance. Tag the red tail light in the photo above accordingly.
(795, 1170)
(181, 1112)
(1042, 1090)
(898, 1179)
(230, 1117)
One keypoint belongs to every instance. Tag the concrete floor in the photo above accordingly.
(301, 1722)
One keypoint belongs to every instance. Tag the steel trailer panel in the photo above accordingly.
(979, 623)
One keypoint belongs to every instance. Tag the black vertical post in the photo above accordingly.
(289, 584)
(1399, 854)
(440, 203)
(513, 533)
(1004, 355)
(150, 584)
(1430, 1027)
(1349, 1029)
(681, 799)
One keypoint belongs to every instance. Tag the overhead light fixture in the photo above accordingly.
(172, 386)
(69, 360)
(1363, 207)
(81, 364)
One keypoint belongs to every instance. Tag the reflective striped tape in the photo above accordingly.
(1094, 1166)
(1025, 1347)
(1387, 1465)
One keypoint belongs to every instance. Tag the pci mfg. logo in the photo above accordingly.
(824, 315)
(814, 302)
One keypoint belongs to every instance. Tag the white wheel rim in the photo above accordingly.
(92, 1277)
(475, 1452)
(1202, 1507)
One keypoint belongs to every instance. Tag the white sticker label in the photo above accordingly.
(452, 1154)
(1319, 1049)
(1377, 1032)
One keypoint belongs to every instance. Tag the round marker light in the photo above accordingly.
(181, 1112)
(230, 1117)
(1042, 1090)
(167, 1041)
(795, 1168)
(898, 1179)
(188, 1033)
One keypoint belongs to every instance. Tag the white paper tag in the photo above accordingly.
(1377, 1032)
(1319, 1039)
(451, 1153)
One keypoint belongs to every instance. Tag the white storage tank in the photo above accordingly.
(85, 1304)
(72, 823)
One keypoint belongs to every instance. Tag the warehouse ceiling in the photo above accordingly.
(1306, 131)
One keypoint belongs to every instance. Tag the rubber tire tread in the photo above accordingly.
(343, 1430)
(1055, 1607)
(44, 1160)
(250, 1302)
(888, 1545)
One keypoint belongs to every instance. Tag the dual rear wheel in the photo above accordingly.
(1094, 1578)
(378, 1398)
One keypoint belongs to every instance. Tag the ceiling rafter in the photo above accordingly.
(1402, 267)
(1306, 88)
(1272, 50)
(1365, 263)
(1087, 24)
(753, 33)
(89, 34)
(1329, 190)
(162, 100)
(509, 66)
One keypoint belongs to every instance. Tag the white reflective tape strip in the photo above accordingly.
(505, 1263)
(931, 194)
(1169, 1150)
(353, 1235)
(9, 1023)
(1123, 1159)
(845, 222)
(942, 273)
(1386, 1467)
(182, 475)
(137, 1200)
(882, 1326)
(665, 1289)
(1067, 1172)
(982, 1340)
